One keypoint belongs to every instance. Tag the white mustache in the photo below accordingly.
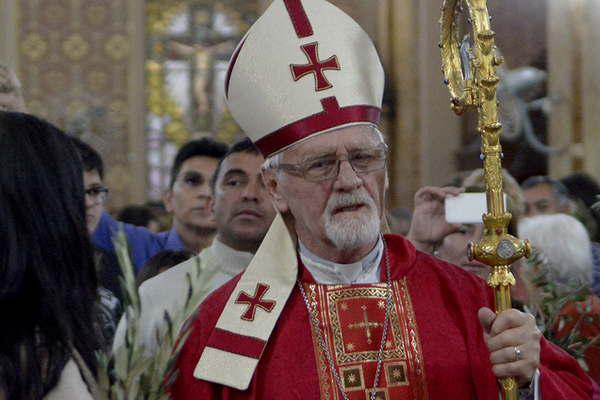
(339, 200)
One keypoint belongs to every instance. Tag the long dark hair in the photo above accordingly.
(47, 276)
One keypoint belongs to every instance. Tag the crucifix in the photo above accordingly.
(365, 324)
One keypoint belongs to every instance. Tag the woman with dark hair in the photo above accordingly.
(47, 276)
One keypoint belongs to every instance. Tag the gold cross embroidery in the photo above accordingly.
(365, 324)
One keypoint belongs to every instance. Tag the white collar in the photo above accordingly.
(329, 272)
(230, 260)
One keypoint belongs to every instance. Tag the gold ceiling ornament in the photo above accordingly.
(117, 46)
(97, 80)
(470, 74)
(75, 47)
(34, 46)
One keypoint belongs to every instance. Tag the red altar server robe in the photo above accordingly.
(434, 348)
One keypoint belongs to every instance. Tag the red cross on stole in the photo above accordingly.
(315, 66)
(255, 301)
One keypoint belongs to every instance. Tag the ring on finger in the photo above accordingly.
(518, 353)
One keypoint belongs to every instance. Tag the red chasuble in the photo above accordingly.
(434, 347)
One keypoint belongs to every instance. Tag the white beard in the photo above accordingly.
(350, 232)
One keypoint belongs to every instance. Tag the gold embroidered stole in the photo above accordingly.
(351, 318)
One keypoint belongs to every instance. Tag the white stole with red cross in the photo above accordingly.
(251, 312)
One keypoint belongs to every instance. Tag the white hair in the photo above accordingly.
(564, 242)
(273, 161)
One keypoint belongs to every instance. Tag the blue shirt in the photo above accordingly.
(596, 268)
(143, 244)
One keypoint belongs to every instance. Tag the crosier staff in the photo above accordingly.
(470, 74)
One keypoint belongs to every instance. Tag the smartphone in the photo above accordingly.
(466, 208)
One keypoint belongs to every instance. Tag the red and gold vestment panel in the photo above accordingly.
(352, 319)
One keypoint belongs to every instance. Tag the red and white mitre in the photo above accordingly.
(303, 68)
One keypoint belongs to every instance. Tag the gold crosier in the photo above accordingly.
(470, 74)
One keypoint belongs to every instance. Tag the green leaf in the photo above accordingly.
(131, 373)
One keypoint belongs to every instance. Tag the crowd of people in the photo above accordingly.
(294, 235)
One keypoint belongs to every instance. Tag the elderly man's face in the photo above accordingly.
(344, 212)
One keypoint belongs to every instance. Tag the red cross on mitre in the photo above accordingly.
(315, 66)
(255, 301)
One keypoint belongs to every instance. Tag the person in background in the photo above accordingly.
(160, 262)
(582, 186)
(139, 215)
(431, 233)
(563, 245)
(47, 276)
(96, 193)
(11, 93)
(586, 190)
(243, 213)
(544, 195)
(107, 265)
(329, 307)
(187, 199)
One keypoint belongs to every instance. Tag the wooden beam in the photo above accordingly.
(440, 129)
(403, 80)
(8, 33)
(561, 70)
(590, 91)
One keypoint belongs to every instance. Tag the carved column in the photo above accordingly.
(424, 133)
(574, 83)
(136, 99)
(590, 92)
(563, 67)
(399, 19)
(440, 129)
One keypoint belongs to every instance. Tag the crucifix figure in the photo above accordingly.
(365, 324)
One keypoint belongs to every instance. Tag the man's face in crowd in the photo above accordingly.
(343, 212)
(241, 205)
(189, 197)
(95, 195)
(11, 98)
(541, 199)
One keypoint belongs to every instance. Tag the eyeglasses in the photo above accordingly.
(328, 167)
(97, 193)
